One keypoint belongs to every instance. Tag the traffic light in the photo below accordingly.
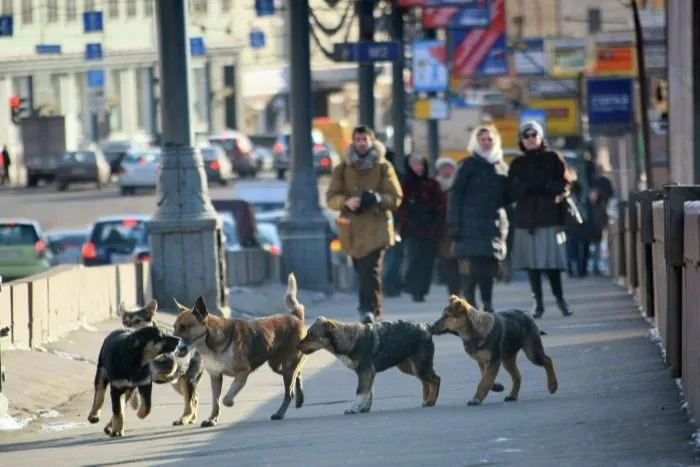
(17, 109)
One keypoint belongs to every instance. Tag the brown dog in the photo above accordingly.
(237, 347)
(493, 339)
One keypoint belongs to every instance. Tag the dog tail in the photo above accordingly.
(291, 303)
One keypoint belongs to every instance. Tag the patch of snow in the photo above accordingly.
(655, 338)
(70, 356)
(86, 327)
(63, 426)
(583, 326)
(510, 450)
(48, 413)
(695, 439)
(10, 423)
(239, 289)
(500, 440)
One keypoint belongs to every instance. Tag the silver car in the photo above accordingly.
(66, 245)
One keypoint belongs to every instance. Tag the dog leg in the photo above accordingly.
(511, 366)
(99, 397)
(298, 393)
(145, 392)
(135, 400)
(363, 395)
(289, 383)
(238, 383)
(431, 387)
(534, 351)
(188, 391)
(116, 426)
(487, 379)
(217, 382)
(497, 387)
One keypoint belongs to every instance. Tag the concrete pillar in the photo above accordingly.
(68, 90)
(185, 232)
(128, 101)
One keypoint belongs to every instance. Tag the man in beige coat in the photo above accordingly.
(365, 189)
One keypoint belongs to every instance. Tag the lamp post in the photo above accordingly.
(185, 232)
(304, 230)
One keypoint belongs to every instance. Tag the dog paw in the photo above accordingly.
(298, 399)
(142, 412)
(497, 387)
(474, 402)
(208, 423)
(93, 418)
(365, 409)
(350, 412)
(428, 404)
(116, 434)
(227, 401)
(108, 429)
(277, 416)
(510, 399)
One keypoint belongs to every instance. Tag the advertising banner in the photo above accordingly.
(567, 57)
(563, 115)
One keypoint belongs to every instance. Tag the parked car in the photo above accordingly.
(117, 240)
(267, 236)
(82, 167)
(239, 150)
(269, 196)
(66, 245)
(139, 170)
(216, 165)
(115, 151)
(23, 249)
(324, 156)
(265, 158)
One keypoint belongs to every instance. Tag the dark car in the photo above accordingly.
(82, 167)
(216, 165)
(239, 150)
(117, 240)
(324, 156)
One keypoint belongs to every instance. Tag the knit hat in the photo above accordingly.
(532, 125)
(444, 161)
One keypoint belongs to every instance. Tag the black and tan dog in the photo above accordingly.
(183, 373)
(123, 363)
(493, 339)
(237, 347)
(369, 349)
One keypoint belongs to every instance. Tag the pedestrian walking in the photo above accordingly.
(392, 281)
(539, 182)
(476, 215)
(6, 162)
(448, 265)
(365, 190)
(599, 196)
(421, 217)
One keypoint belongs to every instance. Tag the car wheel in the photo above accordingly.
(280, 174)
(223, 182)
(126, 190)
(61, 185)
(32, 181)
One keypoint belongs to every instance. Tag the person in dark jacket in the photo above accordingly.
(445, 172)
(393, 258)
(6, 162)
(538, 181)
(420, 216)
(577, 237)
(599, 196)
(476, 215)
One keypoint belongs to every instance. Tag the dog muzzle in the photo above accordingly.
(182, 349)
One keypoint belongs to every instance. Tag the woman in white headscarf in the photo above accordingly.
(476, 218)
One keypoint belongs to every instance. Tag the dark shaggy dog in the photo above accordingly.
(124, 365)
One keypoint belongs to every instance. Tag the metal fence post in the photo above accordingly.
(675, 197)
(646, 238)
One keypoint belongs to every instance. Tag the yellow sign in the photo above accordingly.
(431, 109)
(562, 115)
(508, 128)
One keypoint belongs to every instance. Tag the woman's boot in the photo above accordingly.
(554, 277)
(486, 290)
(534, 276)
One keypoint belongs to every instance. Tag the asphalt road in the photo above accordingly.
(616, 406)
(81, 205)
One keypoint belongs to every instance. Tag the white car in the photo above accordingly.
(139, 170)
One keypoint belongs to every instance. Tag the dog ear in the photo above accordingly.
(151, 307)
(121, 309)
(180, 307)
(200, 308)
(454, 298)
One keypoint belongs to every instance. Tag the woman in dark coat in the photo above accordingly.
(420, 219)
(476, 218)
(539, 182)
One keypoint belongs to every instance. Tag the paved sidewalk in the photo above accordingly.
(616, 405)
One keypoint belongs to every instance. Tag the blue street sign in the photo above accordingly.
(366, 52)
(48, 49)
(6, 26)
(538, 115)
(610, 102)
(197, 47)
(96, 78)
(264, 7)
(256, 39)
(93, 21)
(93, 51)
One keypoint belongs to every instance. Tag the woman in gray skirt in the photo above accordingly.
(538, 182)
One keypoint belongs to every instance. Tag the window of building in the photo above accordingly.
(51, 11)
(113, 8)
(199, 6)
(148, 7)
(71, 11)
(27, 11)
(131, 8)
(89, 5)
(8, 7)
(225, 6)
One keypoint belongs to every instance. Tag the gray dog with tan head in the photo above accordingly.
(368, 349)
(494, 339)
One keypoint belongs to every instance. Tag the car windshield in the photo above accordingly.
(12, 234)
(229, 228)
(267, 233)
(209, 154)
(228, 144)
(126, 232)
(146, 157)
(81, 157)
(67, 240)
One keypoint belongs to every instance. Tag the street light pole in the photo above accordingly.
(304, 229)
(185, 232)
(398, 90)
(365, 71)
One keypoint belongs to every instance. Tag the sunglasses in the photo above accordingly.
(529, 135)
